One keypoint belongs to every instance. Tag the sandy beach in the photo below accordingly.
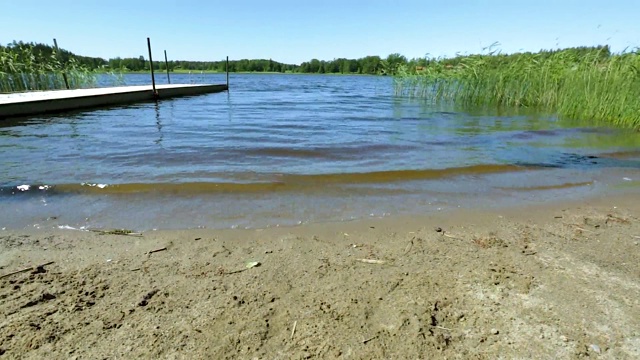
(545, 281)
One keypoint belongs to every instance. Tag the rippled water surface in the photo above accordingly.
(284, 149)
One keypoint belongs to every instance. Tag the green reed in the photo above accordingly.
(586, 84)
(23, 69)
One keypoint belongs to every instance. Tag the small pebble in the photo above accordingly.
(495, 331)
(564, 338)
(595, 348)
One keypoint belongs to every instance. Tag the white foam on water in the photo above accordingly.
(23, 187)
(101, 186)
(67, 227)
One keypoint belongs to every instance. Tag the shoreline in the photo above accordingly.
(192, 209)
(537, 281)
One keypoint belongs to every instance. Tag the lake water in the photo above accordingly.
(287, 149)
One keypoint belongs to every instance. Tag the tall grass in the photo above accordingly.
(589, 84)
(23, 69)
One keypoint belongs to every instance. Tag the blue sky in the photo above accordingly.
(296, 31)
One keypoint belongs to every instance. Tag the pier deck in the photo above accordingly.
(42, 102)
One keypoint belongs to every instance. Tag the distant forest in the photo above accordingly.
(20, 55)
(373, 65)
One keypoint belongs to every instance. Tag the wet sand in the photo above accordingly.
(544, 281)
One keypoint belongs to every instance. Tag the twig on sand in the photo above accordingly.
(234, 272)
(580, 228)
(444, 233)
(450, 236)
(248, 266)
(369, 339)
(441, 327)
(409, 247)
(40, 268)
(618, 219)
(157, 250)
(372, 261)
(123, 232)
(293, 331)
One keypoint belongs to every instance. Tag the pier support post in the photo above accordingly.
(166, 65)
(153, 78)
(64, 74)
(227, 73)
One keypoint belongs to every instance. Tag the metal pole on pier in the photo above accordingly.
(166, 64)
(64, 75)
(227, 73)
(153, 78)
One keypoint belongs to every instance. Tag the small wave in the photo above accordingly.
(567, 185)
(402, 175)
(269, 182)
(623, 155)
(289, 152)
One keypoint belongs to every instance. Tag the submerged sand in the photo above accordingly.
(552, 281)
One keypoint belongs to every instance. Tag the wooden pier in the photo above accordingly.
(56, 101)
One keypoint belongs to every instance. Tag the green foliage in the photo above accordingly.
(371, 65)
(129, 64)
(244, 65)
(392, 63)
(47, 56)
(588, 84)
(29, 66)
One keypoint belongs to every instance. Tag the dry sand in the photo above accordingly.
(553, 281)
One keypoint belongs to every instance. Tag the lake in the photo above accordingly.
(280, 150)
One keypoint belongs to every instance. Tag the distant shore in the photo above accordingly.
(195, 72)
(544, 281)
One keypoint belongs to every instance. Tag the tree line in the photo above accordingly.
(393, 64)
(373, 65)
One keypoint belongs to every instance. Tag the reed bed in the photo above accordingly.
(585, 84)
(24, 69)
